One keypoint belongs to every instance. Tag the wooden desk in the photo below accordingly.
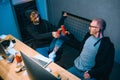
(7, 71)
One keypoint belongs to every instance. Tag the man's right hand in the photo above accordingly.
(55, 34)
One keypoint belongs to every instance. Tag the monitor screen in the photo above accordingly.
(2, 51)
(35, 70)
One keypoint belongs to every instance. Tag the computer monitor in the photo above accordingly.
(35, 70)
(7, 44)
(2, 51)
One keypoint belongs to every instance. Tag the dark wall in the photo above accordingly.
(8, 24)
(106, 9)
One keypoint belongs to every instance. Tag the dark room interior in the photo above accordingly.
(14, 20)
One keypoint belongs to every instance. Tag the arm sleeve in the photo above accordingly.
(61, 21)
(37, 35)
(107, 67)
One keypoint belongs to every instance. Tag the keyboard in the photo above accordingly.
(41, 62)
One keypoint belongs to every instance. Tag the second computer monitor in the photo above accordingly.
(35, 71)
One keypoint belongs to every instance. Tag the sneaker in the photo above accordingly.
(52, 56)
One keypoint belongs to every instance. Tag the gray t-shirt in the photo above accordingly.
(86, 60)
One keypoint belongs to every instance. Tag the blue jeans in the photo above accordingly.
(55, 42)
(44, 51)
(58, 42)
(78, 73)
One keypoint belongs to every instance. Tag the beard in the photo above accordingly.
(94, 33)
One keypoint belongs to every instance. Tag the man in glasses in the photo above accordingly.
(96, 57)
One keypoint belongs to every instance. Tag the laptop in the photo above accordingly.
(43, 61)
(35, 70)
